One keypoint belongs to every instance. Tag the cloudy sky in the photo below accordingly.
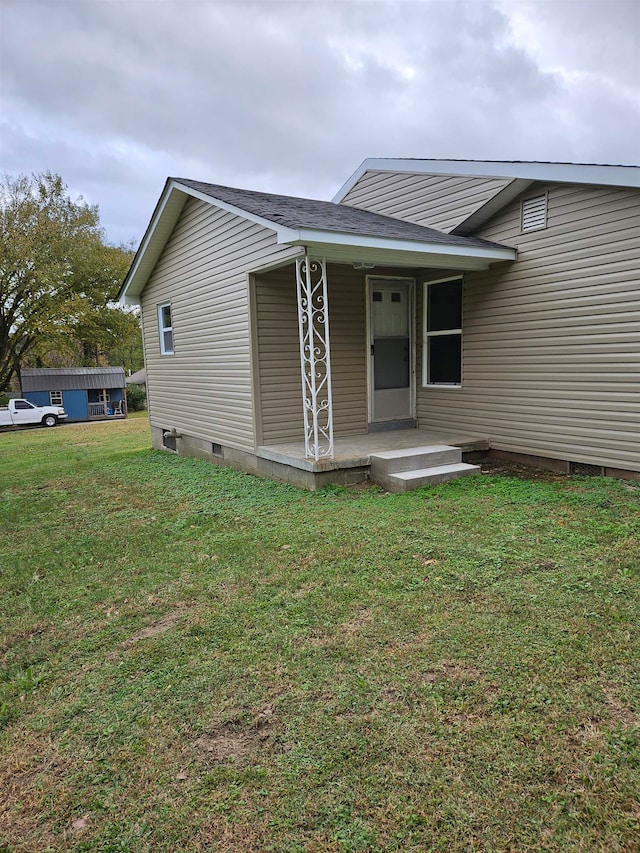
(291, 95)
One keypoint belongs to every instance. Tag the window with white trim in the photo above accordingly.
(534, 213)
(55, 398)
(165, 328)
(104, 396)
(442, 333)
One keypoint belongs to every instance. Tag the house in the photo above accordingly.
(87, 393)
(138, 378)
(465, 304)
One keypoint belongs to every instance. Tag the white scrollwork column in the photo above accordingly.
(315, 357)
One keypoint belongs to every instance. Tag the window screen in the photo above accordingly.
(442, 340)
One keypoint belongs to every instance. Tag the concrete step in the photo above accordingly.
(393, 461)
(404, 481)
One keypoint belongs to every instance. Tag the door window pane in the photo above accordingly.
(391, 363)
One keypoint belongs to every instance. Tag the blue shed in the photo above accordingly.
(87, 393)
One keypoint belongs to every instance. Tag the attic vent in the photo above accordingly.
(583, 469)
(534, 213)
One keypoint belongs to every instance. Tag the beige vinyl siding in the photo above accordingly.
(551, 343)
(278, 349)
(439, 201)
(204, 389)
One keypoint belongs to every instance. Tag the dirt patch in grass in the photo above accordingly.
(10, 641)
(620, 713)
(160, 627)
(505, 468)
(28, 774)
(451, 670)
(362, 617)
(232, 742)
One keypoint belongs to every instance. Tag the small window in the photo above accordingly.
(442, 339)
(534, 213)
(104, 396)
(166, 329)
(377, 296)
(396, 297)
(22, 404)
(55, 398)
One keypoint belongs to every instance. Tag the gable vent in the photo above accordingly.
(534, 213)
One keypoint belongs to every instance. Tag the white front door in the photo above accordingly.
(390, 347)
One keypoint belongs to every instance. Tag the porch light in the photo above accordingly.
(362, 265)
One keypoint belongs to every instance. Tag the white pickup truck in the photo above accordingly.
(22, 412)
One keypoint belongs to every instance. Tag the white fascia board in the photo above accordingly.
(563, 173)
(311, 237)
(385, 258)
(156, 236)
(504, 197)
(136, 278)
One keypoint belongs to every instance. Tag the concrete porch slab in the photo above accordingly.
(355, 451)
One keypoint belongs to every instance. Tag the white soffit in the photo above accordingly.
(354, 247)
(565, 173)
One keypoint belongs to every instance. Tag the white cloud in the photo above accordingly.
(291, 96)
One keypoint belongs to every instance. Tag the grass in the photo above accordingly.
(199, 660)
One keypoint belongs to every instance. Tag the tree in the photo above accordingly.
(58, 278)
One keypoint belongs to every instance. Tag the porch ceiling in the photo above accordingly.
(419, 255)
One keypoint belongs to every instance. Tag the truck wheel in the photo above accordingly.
(50, 420)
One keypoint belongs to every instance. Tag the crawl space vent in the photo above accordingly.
(582, 469)
(169, 441)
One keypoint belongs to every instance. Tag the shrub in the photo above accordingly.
(4, 399)
(136, 398)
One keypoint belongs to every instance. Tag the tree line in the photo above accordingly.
(59, 279)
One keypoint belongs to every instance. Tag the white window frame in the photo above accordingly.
(162, 329)
(104, 396)
(426, 335)
(55, 398)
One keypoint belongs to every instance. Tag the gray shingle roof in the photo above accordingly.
(71, 378)
(293, 212)
(138, 378)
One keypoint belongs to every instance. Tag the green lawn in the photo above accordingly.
(199, 660)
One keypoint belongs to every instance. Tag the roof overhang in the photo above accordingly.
(332, 245)
(163, 221)
(383, 251)
(564, 173)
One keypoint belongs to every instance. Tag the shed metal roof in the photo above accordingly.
(71, 378)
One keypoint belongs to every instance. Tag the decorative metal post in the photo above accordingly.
(315, 357)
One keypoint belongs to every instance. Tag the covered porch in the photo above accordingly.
(339, 371)
(340, 374)
(106, 403)
(355, 451)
